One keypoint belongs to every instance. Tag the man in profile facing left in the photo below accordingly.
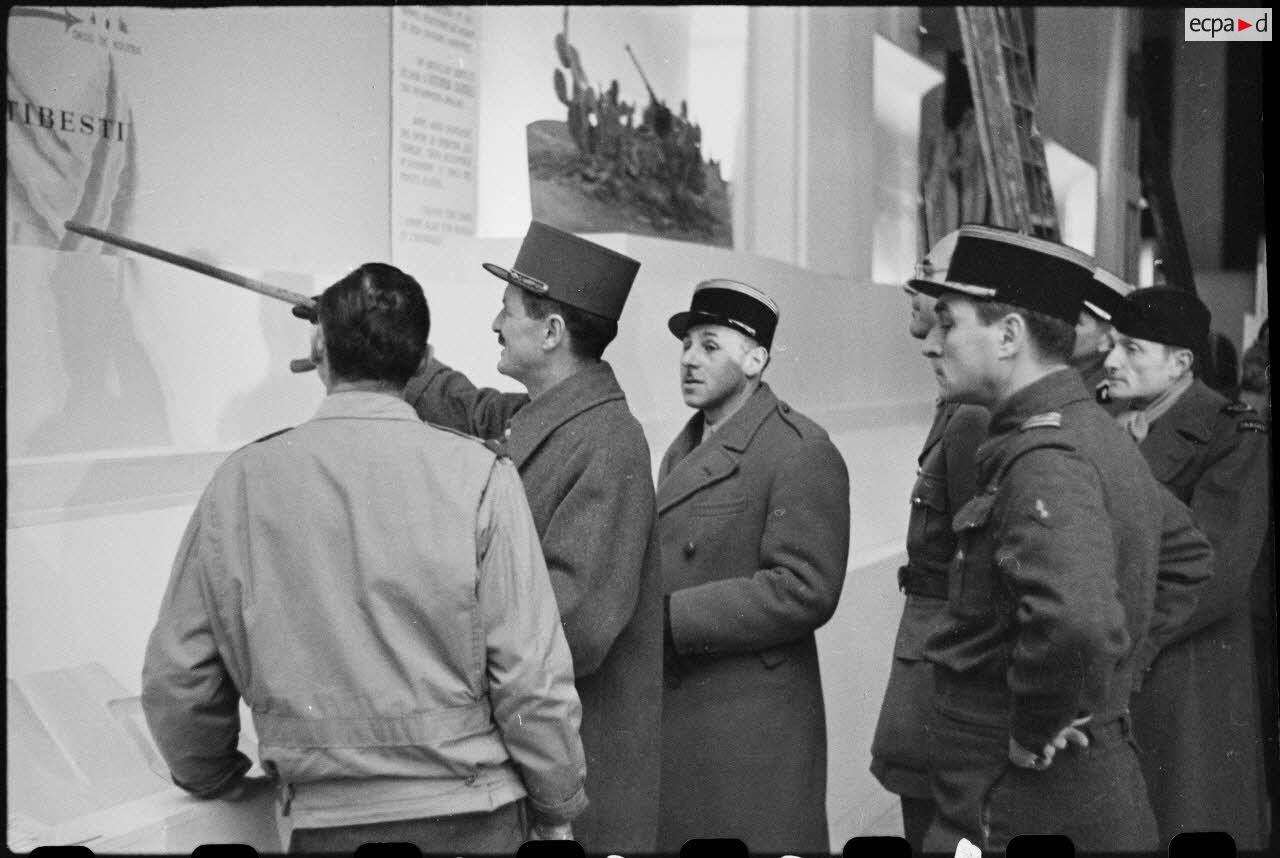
(584, 462)
(374, 589)
(1062, 560)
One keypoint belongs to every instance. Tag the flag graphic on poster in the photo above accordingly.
(71, 141)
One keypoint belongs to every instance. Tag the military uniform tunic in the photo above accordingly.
(1051, 596)
(947, 479)
(1196, 716)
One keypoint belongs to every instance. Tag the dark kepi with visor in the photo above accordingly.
(730, 303)
(994, 264)
(556, 264)
(1105, 296)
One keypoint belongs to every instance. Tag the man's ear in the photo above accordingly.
(754, 361)
(1183, 361)
(318, 354)
(1012, 330)
(554, 331)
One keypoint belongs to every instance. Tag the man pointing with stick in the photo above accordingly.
(585, 466)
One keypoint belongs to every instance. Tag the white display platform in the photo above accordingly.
(82, 769)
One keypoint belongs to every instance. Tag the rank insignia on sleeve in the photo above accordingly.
(1251, 426)
(1050, 419)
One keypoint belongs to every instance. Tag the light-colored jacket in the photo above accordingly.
(374, 589)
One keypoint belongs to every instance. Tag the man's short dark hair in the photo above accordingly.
(588, 333)
(375, 322)
(1053, 338)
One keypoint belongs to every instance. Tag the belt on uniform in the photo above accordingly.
(1109, 730)
(915, 582)
(987, 700)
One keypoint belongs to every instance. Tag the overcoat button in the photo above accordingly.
(689, 548)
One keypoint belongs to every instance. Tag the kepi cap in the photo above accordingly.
(1105, 296)
(1162, 314)
(995, 264)
(559, 265)
(730, 303)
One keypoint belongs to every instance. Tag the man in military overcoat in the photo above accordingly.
(585, 465)
(1196, 716)
(945, 480)
(1053, 585)
(753, 524)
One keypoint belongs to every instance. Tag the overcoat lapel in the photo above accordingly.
(531, 425)
(941, 416)
(1175, 437)
(715, 459)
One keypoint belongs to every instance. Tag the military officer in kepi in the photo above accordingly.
(945, 480)
(585, 466)
(1102, 299)
(1196, 716)
(1053, 585)
(753, 529)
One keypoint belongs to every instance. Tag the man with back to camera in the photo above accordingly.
(946, 479)
(1053, 585)
(373, 588)
(585, 465)
(1196, 716)
(753, 526)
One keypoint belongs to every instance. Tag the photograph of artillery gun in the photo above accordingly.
(601, 171)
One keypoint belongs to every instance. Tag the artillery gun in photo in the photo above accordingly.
(655, 166)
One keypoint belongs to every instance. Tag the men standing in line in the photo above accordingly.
(586, 470)
(1102, 299)
(753, 524)
(1196, 716)
(1053, 583)
(946, 479)
(374, 590)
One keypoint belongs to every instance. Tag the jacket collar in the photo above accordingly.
(580, 392)
(942, 415)
(1050, 393)
(1193, 412)
(365, 404)
(694, 465)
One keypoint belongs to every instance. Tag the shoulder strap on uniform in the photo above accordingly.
(493, 445)
(266, 437)
(271, 435)
(1016, 446)
(1049, 419)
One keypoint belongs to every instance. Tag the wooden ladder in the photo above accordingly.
(1004, 108)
